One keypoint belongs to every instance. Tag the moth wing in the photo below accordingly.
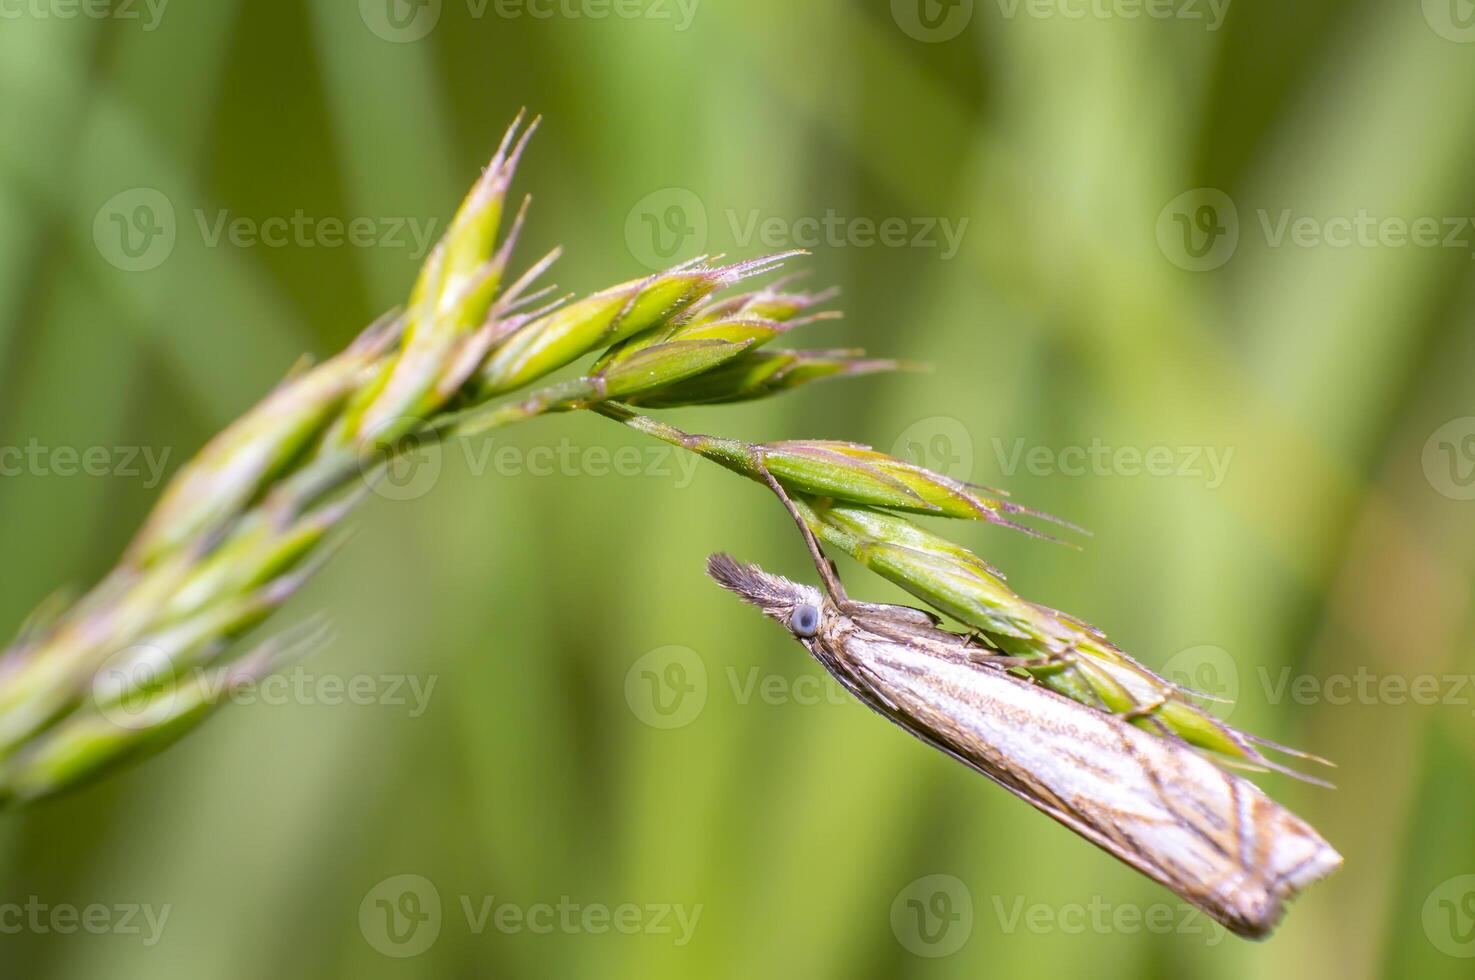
(1210, 836)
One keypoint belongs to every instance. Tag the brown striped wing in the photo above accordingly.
(1212, 837)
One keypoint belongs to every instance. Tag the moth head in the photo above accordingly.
(800, 608)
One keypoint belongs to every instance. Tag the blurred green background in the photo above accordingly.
(1207, 291)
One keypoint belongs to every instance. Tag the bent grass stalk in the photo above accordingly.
(846, 494)
(145, 655)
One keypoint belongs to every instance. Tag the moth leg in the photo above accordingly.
(1006, 661)
(1067, 659)
(987, 652)
(1143, 711)
(980, 652)
(826, 568)
(908, 614)
(1054, 659)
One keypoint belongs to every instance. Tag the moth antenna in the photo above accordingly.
(822, 564)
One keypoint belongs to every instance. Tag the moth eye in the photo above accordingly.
(804, 620)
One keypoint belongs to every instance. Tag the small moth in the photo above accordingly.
(1210, 836)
